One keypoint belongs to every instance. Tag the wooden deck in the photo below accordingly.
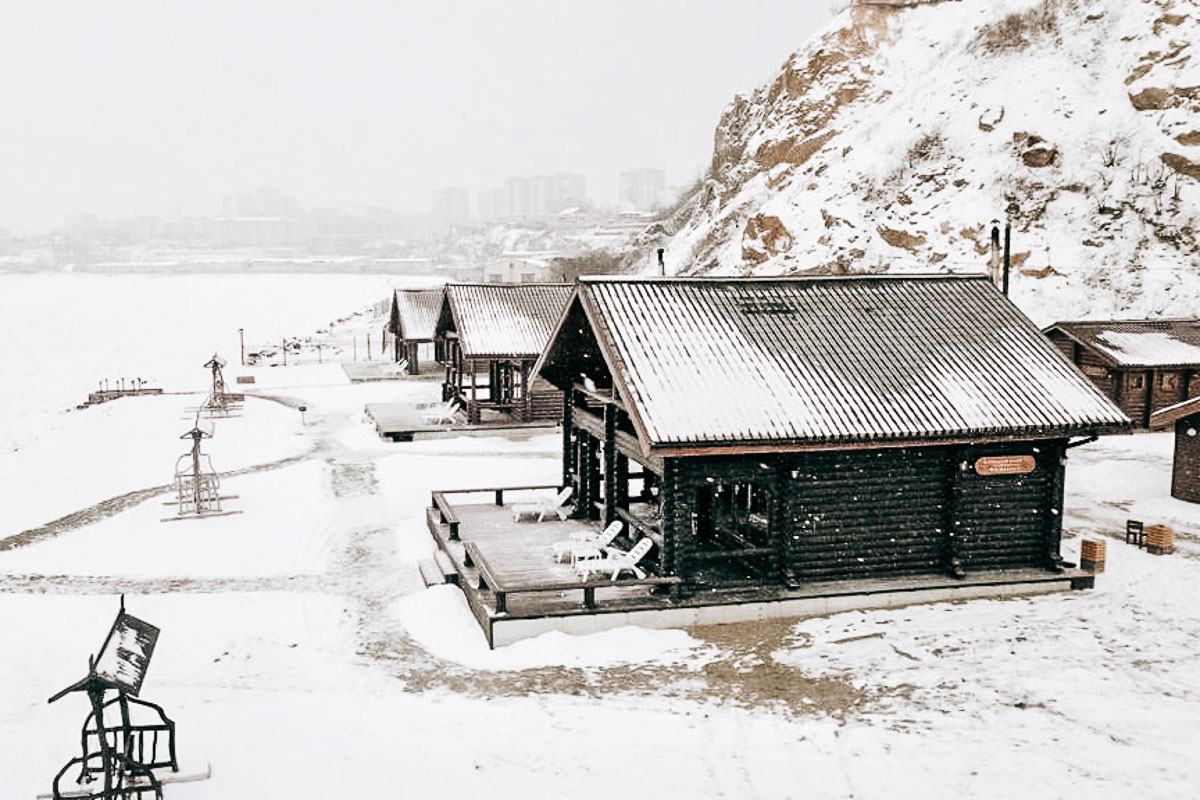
(516, 590)
(407, 422)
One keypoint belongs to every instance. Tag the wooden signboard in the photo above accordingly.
(1095, 372)
(1005, 465)
(125, 655)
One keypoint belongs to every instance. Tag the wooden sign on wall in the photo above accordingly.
(1005, 465)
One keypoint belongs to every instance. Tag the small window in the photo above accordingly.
(1169, 380)
(1137, 381)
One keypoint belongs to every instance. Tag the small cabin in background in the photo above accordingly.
(417, 314)
(1184, 418)
(1141, 365)
(489, 336)
(780, 432)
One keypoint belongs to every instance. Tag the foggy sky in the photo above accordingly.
(130, 107)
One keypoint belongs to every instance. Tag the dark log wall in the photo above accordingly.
(545, 402)
(1135, 399)
(1005, 521)
(879, 513)
(1064, 343)
(1170, 387)
(1185, 478)
(1098, 372)
(873, 513)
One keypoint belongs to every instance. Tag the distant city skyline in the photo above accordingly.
(161, 109)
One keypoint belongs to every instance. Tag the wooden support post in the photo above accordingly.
(581, 473)
(611, 492)
(1056, 460)
(674, 550)
(501, 603)
(499, 497)
(593, 481)
(622, 481)
(589, 597)
(952, 544)
(567, 450)
(526, 400)
(779, 524)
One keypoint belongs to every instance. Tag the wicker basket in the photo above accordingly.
(1160, 539)
(1091, 555)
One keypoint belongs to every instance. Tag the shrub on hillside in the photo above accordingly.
(1020, 29)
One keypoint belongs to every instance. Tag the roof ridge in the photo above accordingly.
(714, 279)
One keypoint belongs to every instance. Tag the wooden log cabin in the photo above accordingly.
(490, 335)
(779, 432)
(415, 315)
(1184, 419)
(1141, 365)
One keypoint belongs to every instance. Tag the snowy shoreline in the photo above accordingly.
(299, 631)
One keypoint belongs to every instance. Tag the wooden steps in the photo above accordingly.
(437, 570)
(446, 567)
(430, 573)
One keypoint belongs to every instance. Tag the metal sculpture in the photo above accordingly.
(128, 744)
(220, 403)
(197, 484)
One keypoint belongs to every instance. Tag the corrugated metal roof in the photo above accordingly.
(419, 309)
(828, 360)
(1139, 343)
(505, 320)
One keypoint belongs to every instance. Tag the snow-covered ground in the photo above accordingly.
(302, 657)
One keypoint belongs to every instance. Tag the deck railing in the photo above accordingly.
(489, 581)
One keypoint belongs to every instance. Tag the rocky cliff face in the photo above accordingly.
(893, 139)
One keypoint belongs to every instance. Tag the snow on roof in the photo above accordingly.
(1139, 343)
(495, 320)
(821, 360)
(1165, 417)
(419, 309)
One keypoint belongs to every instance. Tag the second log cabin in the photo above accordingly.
(489, 336)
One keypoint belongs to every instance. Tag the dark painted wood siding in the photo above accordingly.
(1003, 521)
(1064, 343)
(1170, 388)
(1185, 479)
(868, 513)
(1098, 372)
(545, 402)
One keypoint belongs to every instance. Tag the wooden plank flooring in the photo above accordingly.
(521, 554)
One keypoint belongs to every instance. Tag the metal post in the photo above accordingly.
(1007, 242)
(196, 470)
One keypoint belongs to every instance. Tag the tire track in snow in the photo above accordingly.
(115, 505)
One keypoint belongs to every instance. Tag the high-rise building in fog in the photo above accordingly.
(451, 207)
(643, 189)
(521, 197)
(264, 202)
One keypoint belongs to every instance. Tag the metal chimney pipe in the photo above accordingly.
(1007, 249)
(662, 266)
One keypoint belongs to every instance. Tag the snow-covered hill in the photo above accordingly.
(893, 139)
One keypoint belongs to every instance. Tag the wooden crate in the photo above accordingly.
(1092, 550)
(1160, 539)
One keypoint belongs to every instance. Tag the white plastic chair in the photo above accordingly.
(442, 414)
(556, 506)
(616, 562)
(586, 543)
